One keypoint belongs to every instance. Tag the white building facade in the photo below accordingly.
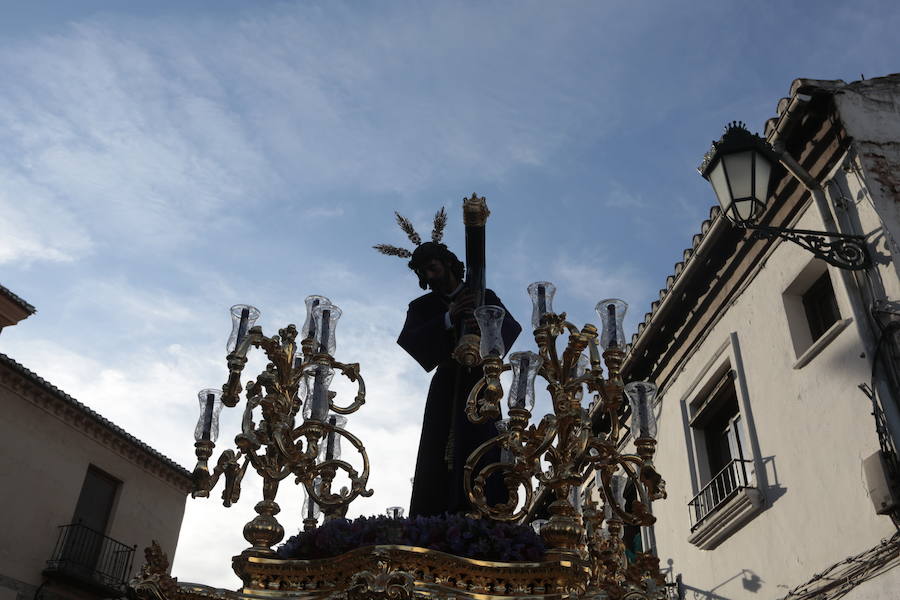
(778, 373)
(81, 498)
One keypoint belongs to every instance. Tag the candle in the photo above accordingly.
(326, 326)
(312, 322)
(320, 394)
(611, 324)
(542, 300)
(329, 446)
(643, 411)
(523, 382)
(594, 352)
(242, 328)
(208, 416)
(310, 507)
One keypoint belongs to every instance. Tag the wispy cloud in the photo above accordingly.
(618, 196)
(156, 170)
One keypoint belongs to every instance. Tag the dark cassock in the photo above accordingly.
(448, 438)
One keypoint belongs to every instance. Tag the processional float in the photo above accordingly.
(294, 425)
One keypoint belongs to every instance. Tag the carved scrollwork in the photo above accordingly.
(270, 441)
(154, 581)
(383, 585)
(565, 448)
(841, 250)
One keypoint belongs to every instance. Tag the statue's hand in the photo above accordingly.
(462, 309)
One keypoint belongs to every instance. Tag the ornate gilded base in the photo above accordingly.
(407, 572)
(387, 572)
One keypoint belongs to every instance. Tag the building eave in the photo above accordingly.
(790, 114)
(13, 308)
(46, 395)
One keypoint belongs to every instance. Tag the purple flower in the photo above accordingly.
(456, 534)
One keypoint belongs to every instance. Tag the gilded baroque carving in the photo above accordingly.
(154, 581)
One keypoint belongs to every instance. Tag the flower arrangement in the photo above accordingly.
(454, 534)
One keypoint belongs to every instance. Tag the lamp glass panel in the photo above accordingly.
(746, 209)
(720, 186)
(763, 172)
(739, 168)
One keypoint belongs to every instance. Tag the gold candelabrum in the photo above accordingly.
(571, 444)
(296, 378)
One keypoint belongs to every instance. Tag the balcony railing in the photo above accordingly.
(91, 558)
(719, 490)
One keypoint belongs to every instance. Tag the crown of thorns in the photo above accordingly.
(437, 234)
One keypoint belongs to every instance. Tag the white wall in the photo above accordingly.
(812, 426)
(43, 461)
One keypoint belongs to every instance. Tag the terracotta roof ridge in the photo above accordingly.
(16, 366)
(687, 255)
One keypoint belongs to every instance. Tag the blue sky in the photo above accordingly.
(163, 161)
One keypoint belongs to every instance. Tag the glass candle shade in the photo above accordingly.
(575, 498)
(581, 367)
(309, 324)
(395, 512)
(326, 317)
(310, 508)
(641, 395)
(506, 456)
(314, 392)
(490, 322)
(330, 445)
(541, 293)
(537, 524)
(525, 366)
(210, 406)
(243, 317)
(617, 485)
(612, 314)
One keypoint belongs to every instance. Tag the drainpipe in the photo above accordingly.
(867, 295)
(861, 314)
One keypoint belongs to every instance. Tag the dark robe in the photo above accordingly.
(438, 484)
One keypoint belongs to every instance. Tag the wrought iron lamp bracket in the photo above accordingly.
(841, 250)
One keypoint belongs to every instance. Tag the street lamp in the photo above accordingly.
(739, 167)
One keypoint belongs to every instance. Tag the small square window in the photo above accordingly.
(820, 306)
(812, 311)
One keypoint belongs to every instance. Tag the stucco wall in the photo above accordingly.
(43, 468)
(810, 429)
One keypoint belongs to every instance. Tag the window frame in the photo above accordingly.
(799, 328)
(725, 364)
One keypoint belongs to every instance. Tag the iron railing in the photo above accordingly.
(720, 489)
(88, 556)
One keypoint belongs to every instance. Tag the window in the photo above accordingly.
(723, 455)
(812, 310)
(724, 468)
(84, 551)
(95, 503)
(820, 306)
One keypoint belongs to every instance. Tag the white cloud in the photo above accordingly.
(618, 196)
(35, 227)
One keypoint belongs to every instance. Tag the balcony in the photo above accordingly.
(90, 559)
(723, 505)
